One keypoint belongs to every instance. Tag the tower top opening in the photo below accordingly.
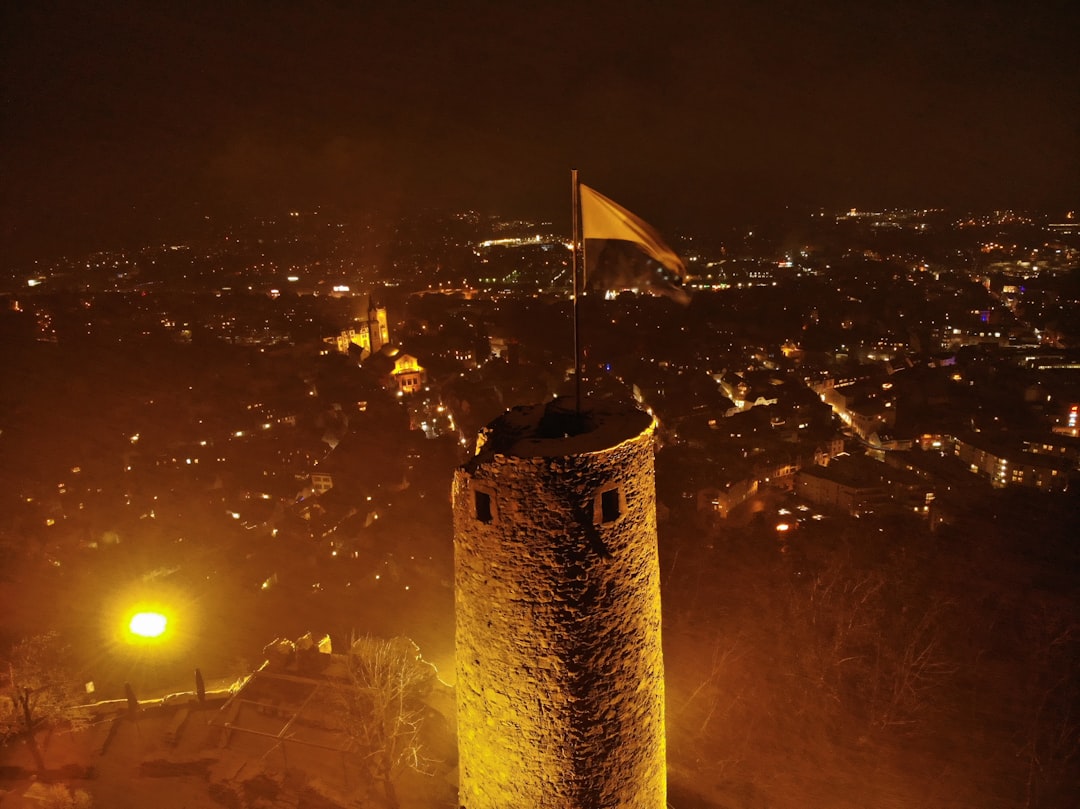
(557, 429)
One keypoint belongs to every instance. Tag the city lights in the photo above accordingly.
(261, 308)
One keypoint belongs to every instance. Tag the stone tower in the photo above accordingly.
(560, 674)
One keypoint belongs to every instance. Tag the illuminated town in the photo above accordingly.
(353, 458)
(271, 458)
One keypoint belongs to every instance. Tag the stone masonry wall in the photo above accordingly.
(560, 676)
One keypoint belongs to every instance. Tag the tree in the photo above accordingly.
(1050, 737)
(59, 796)
(383, 706)
(871, 639)
(36, 690)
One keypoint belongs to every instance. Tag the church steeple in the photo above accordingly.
(377, 325)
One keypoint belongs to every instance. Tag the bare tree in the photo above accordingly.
(711, 694)
(383, 705)
(869, 644)
(1051, 733)
(59, 796)
(36, 690)
(909, 664)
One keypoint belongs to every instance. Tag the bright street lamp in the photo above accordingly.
(148, 624)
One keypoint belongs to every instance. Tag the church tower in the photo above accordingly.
(560, 676)
(377, 326)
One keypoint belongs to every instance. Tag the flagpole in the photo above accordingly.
(576, 218)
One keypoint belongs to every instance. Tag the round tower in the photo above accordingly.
(560, 674)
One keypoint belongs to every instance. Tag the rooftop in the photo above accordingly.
(558, 429)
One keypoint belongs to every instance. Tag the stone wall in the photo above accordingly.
(560, 677)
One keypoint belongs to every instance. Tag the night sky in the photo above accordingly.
(122, 121)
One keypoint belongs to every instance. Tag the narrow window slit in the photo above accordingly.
(610, 507)
(483, 506)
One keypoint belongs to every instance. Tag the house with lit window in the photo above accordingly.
(838, 488)
(857, 485)
(408, 375)
(321, 482)
(1005, 464)
(1056, 445)
(397, 371)
(721, 499)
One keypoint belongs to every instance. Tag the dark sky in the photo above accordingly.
(122, 117)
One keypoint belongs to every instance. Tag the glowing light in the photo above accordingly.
(148, 624)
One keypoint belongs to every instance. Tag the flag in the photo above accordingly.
(603, 219)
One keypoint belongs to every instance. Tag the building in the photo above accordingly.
(397, 371)
(721, 500)
(408, 375)
(1008, 465)
(858, 485)
(292, 715)
(321, 482)
(378, 330)
(827, 487)
(866, 406)
(368, 335)
(560, 676)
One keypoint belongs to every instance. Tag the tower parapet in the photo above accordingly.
(560, 677)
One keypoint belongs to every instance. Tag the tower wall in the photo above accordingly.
(558, 655)
(378, 328)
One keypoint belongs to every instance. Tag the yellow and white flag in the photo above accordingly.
(603, 219)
